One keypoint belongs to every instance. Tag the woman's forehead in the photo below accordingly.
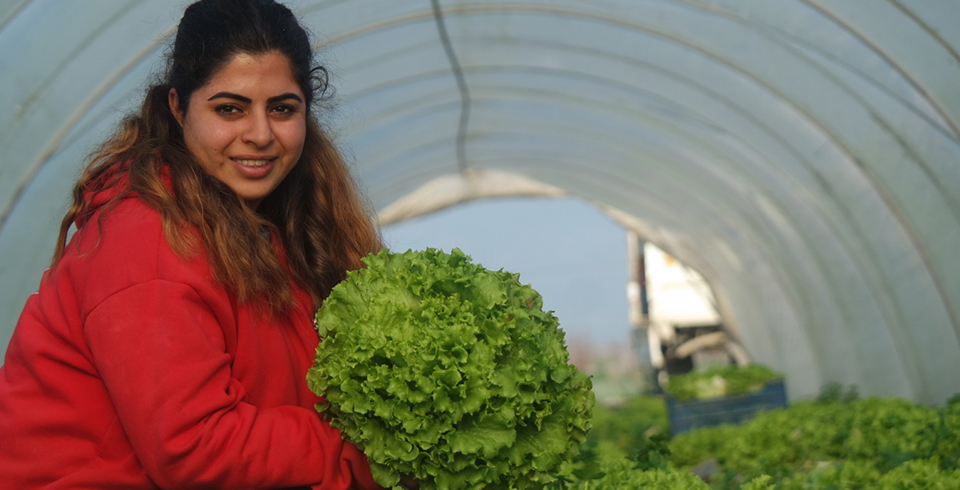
(265, 74)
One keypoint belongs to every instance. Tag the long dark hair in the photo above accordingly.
(322, 223)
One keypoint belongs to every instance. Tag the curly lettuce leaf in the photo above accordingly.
(441, 369)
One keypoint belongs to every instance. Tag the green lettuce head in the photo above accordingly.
(441, 369)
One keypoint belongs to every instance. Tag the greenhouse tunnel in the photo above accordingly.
(802, 155)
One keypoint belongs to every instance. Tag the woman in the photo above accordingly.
(168, 343)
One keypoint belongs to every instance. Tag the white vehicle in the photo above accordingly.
(677, 327)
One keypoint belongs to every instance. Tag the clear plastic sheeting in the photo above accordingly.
(802, 155)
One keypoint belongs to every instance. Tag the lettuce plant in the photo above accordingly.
(449, 372)
(720, 381)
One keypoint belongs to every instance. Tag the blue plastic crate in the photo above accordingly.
(686, 416)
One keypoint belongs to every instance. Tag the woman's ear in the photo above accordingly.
(174, 103)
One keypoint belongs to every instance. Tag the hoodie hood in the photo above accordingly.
(110, 187)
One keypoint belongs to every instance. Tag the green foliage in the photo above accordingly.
(946, 446)
(720, 381)
(920, 474)
(615, 472)
(625, 477)
(628, 426)
(440, 369)
(838, 442)
(653, 453)
(835, 392)
(762, 482)
(828, 445)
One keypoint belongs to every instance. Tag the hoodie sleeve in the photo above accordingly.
(161, 354)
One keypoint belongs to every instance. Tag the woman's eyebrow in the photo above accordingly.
(228, 95)
(286, 96)
(247, 100)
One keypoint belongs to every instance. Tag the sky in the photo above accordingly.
(567, 250)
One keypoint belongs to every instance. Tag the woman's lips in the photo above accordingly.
(253, 167)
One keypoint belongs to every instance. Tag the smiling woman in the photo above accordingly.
(169, 341)
(246, 126)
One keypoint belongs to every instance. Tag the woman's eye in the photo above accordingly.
(227, 109)
(285, 109)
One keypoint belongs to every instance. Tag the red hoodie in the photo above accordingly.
(131, 368)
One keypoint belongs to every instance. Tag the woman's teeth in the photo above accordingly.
(253, 163)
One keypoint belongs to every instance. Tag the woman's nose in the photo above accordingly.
(259, 131)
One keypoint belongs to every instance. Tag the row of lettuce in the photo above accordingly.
(838, 441)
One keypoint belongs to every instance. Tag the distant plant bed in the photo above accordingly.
(628, 426)
(871, 443)
(828, 444)
(720, 381)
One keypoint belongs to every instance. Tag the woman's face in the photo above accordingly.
(247, 124)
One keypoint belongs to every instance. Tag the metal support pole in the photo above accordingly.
(645, 343)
